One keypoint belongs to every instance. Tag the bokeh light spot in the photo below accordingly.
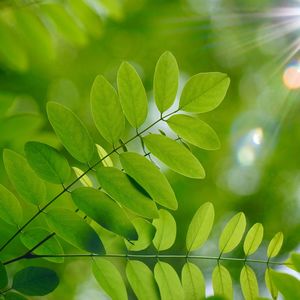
(291, 77)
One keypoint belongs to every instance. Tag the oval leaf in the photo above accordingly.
(200, 226)
(204, 92)
(194, 131)
(232, 233)
(104, 156)
(222, 282)
(102, 209)
(193, 282)
(75, 230)
(83, 178)
(71, 131)
(109, 278)
(35, 281)
(146, 232)
(275, 245)
(165, 230)
(150, 178)
(10, 208)
(3, 276)
(118, 185)
(270, 284)
(253, 239)
(165, 83)
(249, 283)
(31, 237)
(14, 296)
(28, 185)
(47, 162)
(106, 110)
(168, 282)
(142, 280)
(174, 155)
(132, 94)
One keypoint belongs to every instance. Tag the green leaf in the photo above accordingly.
(249, 283)
(102, 209)
(165, 83)
(296, 260)
(194, 131)
(109, 278)
(3, 276)
(287, 285)
(200, 226)
(35, 281)
(165, 230)
(168, 282)
(106, 109)
(132, 94)
(150, 178)
(14, 296)
(174, 155)
(69, 226)
(146, 232)
(204, 92)
(83, 178)
(105, 158)
(222, 282)
(10, 208)
(270, 284)
(193, 282)
(28, 185)
(142, 280)
(275, 245)
(31, 237)
(120, 188)
(47, 162)
(253, 239)
(71, 131)
(232, 233)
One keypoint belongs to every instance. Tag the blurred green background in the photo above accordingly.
(52, 50)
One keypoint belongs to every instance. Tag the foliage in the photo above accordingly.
(129, 198)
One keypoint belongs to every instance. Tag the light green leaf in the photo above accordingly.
(287, 285)
(102, 209)
(132, 94)
(193, 282)
(71, 131)
(168, 282)
(142, 280)
(83, 178)
(249, 283)
(146, 232)
(31, 237)
(14, 296)
(222, 282)
(232, 233)
(200, 226)
(165, 230)
(35, 281)
(174, 155)
(118, 185)
(3, 276)
(253, 239)
(270, 284)
(106, 109)
(28, 185)
(165, 83)
(47, 162)
(295, 257)
(10, 208)
(71, 227)
(109, 278)
(150, 178)
(204, 92)
(105, 158)
(194, 131)
(275, 245)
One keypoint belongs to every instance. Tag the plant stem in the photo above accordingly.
(77, 179)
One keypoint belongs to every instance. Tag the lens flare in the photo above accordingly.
(291, 76)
